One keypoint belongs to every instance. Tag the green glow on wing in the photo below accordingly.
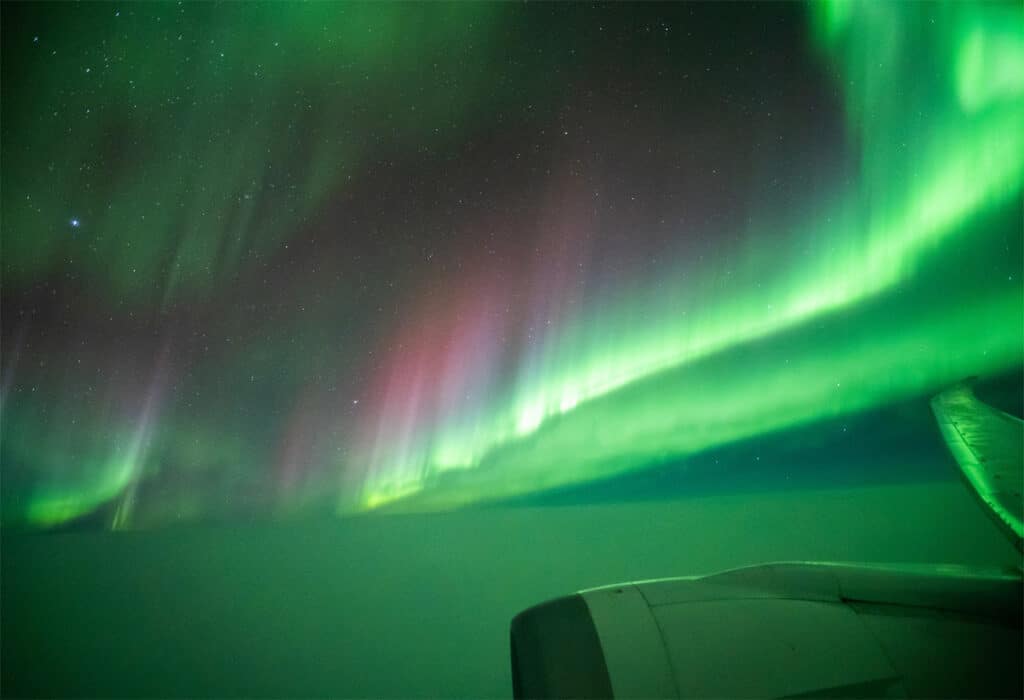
(987, 444)
(937, 109)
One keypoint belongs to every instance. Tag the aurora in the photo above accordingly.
(607, 392)
(378, 257)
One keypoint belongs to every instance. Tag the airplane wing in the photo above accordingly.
(804, 629)
(782, 630)
(988, 444)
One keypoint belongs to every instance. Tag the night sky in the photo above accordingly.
(266, 259)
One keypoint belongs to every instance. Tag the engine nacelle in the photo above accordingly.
(779, 630)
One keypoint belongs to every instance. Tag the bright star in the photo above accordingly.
(75, 223)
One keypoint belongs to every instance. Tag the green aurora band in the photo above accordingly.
(905, 279)
(936, 108)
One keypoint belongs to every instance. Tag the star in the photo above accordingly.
(75, 223)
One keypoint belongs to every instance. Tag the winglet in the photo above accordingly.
(988, 444)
